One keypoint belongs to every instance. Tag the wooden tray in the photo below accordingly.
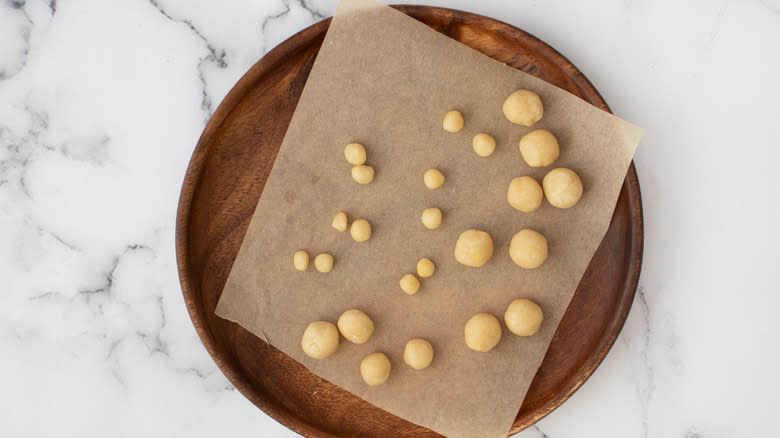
(223, 184)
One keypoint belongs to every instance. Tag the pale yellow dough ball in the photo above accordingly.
(523, 317)
(433, 179)
(562, 187)
(320, 339)
(363, 174)
(474, 248)
(375, 369)
(360, 230)
(453, 121)
(528, 249)
(355, 326)
(355, 153)
(431, 218)
(425, 268)
(323, 262)
(523, 107)
(524, 194)
(418, 354)
(539, 148)
(483, 144)
(340, 222)
(301, 260)
(483, 331)
(409, 284)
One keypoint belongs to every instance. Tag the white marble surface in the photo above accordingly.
(102, 102)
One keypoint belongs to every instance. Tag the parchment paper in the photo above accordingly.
(386, 80)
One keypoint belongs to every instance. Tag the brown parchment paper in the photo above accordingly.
(386, 80)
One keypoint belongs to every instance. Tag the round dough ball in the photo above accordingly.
(431, 218)
(360, 230)
(418, 353)
(355, 153)
(539, 148)
(355, 326)
(525, 194)
(453, 121)
(528, 249)
(474, 248)
(523, 107)
(340, 222)
(320, 339)
(433, 179)
(301, 260)
(409, 284)
(425, 268)
(483, 331)
(483, 145)
(375, 369)
(523, 317)
(562, 187)
(363, 174)
(323, 262)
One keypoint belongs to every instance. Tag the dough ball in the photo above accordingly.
(375, 369)
(523, 107)
(431, 218)
(433, 179)
(528, 249)
(539, 148)
(525, 194)
(425, 268)
(301, 260)
(418, 354)
(340, 222)
(483, 331)
(363, 174)
(562, 187)
(409, 284)
(360, 230)
(523, 317)
(355, 153)
(355, 326)
(323, 262)
(474, 248)
(483, 145)
(320, 339)
(453, 121)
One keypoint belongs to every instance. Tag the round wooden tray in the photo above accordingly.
(223, 184)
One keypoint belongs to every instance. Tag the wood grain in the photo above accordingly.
(224, 181)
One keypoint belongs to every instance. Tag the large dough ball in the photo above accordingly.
(562, 187)
(523, 317)
(528, 249)
(355, 326)
(523, 107)
(483, 331)
(418, 354)
(375, 369)
(320, 339)
(524, 194)
(539, 148)
(474, 248)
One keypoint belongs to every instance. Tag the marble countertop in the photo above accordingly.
(101, 104)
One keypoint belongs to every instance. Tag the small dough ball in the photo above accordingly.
(323, 262)
(453, 121)
(523, 317)
(301, 260)
(355, 326)
(425, 268)
(523, 107)
(355, 153)
(375, 369)
(562, 187)
(431, 218)
(360, 230)
(409, 284)
(483, 331)
(418, 354)
(539, 148)
(340, 222)
(483, 145)
(363, 174)
(474, 248)
(433, 179)
(525, 194)
(528, 249)
(320, 339)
